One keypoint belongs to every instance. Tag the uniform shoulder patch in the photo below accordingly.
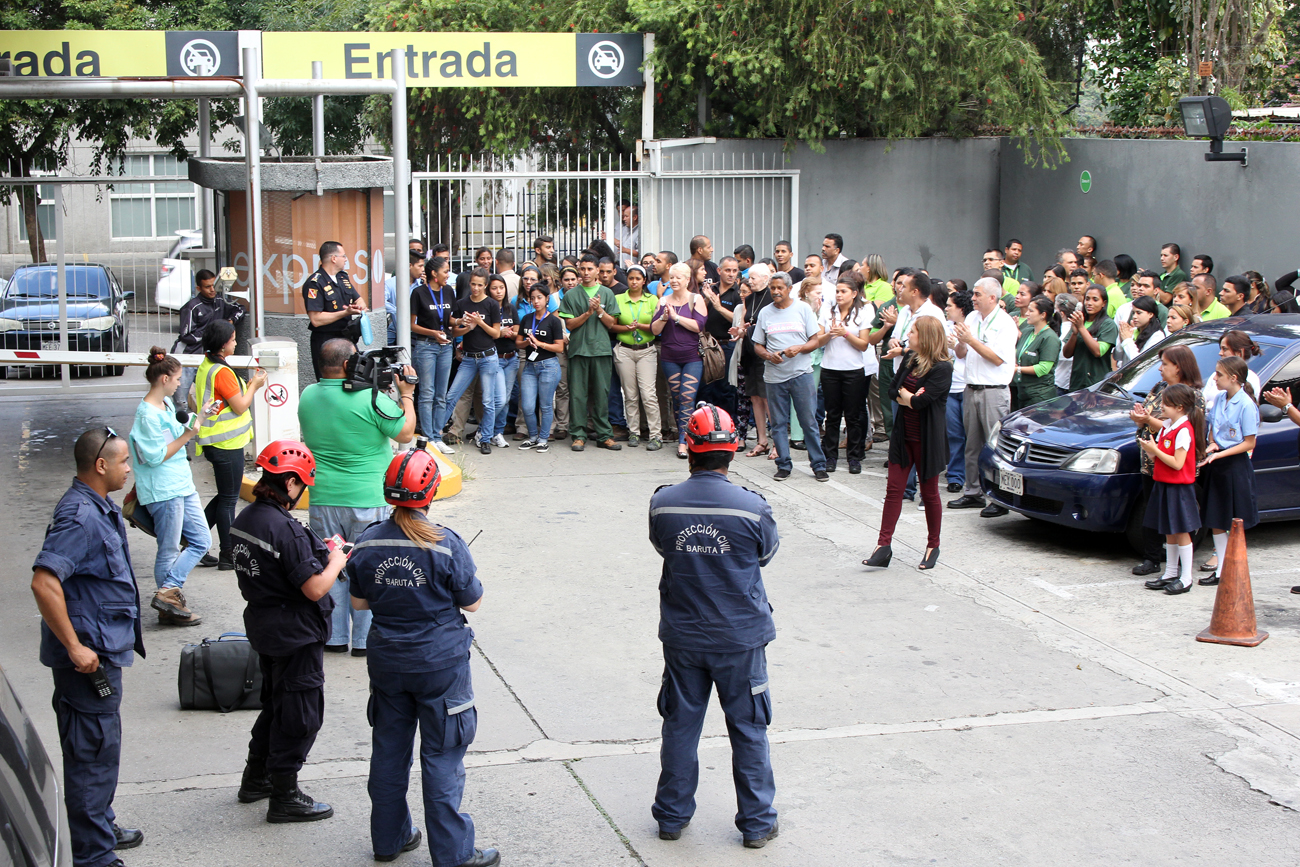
(660, 488)
(311, 291)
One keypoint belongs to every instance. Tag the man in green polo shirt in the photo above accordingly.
(1012, 267)
(1104, 275)
(1207, 300)
(348, 433)
(1171, 260)
(588, 312)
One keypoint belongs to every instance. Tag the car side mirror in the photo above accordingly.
(1269, 413)
(128, 295)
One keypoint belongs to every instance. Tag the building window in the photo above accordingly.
(153, 210)
(44, 214)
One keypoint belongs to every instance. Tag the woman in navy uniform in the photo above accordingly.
(417, 577)
(285, 572)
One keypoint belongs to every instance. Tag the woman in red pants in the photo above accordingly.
(919, 438)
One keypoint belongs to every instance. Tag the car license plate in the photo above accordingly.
(51, 346)
(1012, 483)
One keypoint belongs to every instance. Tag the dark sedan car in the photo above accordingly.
(29, 310)
(34, 827)
(1074, 460)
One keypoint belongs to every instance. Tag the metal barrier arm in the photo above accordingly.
(123, 359)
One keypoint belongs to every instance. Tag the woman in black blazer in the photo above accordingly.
(920, 436)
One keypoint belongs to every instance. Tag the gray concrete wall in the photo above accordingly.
(939, 203)
(1148, 193)
(927, 202)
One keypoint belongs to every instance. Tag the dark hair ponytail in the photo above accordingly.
(216, 335)
(160, 364)
(1184, 397)
(1237, 369)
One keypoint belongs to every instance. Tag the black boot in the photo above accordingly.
(226, 561)
(256, 783)
(291, 804)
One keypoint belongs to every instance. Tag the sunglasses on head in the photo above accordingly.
(112, 435)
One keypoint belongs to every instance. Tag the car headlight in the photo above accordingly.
(10, 325)
(1097, 461)
(98, 323)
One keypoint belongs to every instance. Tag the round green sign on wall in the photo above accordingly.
(1085, 180)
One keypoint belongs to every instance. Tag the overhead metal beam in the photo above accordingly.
(117, 88)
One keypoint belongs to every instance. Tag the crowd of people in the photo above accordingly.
(827, 358)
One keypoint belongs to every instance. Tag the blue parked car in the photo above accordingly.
(1073, 460)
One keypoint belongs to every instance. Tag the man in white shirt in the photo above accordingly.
(832, 257)
(987, 340)
(913, 303)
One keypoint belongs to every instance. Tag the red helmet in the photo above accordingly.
(711, 430)
(289, 456)
(412, 479)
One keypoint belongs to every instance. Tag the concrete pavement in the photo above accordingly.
(1027, 702)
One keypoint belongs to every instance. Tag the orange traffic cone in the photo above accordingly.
(1233, 621)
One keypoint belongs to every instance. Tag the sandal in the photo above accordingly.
(759, 450)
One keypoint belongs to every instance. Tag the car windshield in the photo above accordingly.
(44, 283)
(1141, 374)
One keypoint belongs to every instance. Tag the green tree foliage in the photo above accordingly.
(802, 70)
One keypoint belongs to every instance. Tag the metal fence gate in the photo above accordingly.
(734, 199)
(125, 271)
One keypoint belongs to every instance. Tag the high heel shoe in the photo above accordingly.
(880, 557)
(930, 560)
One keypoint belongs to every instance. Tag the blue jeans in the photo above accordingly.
(802, 393)
(174, 519)
(956, 440)
(683, 385)
(616, 414)
(441, 704)
(433, 366)
(325, 521)
(537, 390)
(488, 371)
(505, 380)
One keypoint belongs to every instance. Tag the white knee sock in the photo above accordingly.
(1185, 561)
(1171, 561)
(1220, 549)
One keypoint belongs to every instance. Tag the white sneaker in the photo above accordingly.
(920, 507)
(500, 442)
(443, 447)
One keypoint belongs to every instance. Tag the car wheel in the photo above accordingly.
(4, 373)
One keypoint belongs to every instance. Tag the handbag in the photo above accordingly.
(223, 674)
(715, 361)
(133, 511)
(136, 514)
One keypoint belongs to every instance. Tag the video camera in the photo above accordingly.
(377, 369)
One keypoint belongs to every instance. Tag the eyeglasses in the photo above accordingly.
(112, 435)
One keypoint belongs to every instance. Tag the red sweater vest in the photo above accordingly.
(1165, 442)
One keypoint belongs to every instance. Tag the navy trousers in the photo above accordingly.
(442, 704)
(293, 708)
(90, 733)
(741, 680)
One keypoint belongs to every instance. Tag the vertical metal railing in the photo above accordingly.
(472, 202)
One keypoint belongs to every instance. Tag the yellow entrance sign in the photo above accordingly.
(85, 53)
(432, 59)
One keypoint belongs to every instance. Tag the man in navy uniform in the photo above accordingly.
(90, 627)
(331, 302)
(715, 623)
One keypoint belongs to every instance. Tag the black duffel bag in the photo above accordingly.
(223, 675)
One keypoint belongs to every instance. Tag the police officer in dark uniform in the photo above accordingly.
(331, 302)
(90, 627)
(285, 572)
(715, 623)
(417, 577)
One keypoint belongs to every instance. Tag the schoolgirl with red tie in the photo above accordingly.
(1172, 509)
